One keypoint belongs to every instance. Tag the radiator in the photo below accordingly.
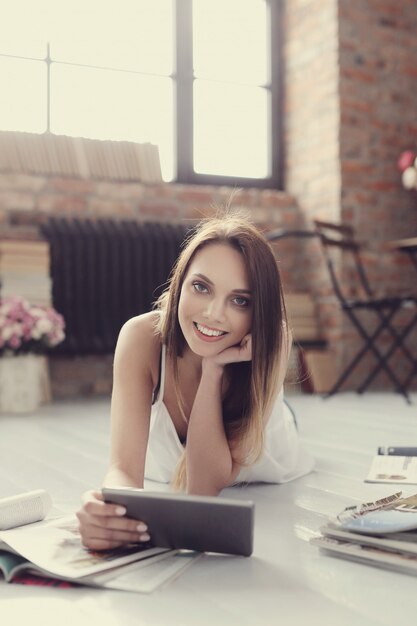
(105, 272)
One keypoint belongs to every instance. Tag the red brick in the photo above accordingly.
(116, 208)
(195, 196)
(22, 182)
(70, 185)
(23, 200)
(61, 203)
(123, 191)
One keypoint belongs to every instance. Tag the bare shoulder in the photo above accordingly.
(141, 327)
(139, 344)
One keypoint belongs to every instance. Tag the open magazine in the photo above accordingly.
(52, 549)
(382, 533)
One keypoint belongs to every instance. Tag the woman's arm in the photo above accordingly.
(210, 456)
(210, 466)
(103, 526)
(136, 357)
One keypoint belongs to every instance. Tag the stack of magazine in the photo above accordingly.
(381, 533)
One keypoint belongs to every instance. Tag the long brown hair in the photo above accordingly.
(252, 384)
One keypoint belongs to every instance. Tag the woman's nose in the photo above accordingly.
(215, 310)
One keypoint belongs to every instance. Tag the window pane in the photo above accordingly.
(103, 104)
(23, 26)
(231, 41)
(231, 130)
(127, 34)
(23, 102)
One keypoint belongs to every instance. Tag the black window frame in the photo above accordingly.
(184, 79)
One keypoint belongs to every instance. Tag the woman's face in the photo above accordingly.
(215, 308)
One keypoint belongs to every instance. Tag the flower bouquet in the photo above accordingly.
(407, 164)
(28, 328)
(26, 333)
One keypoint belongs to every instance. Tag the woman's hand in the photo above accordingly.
(104, 527)
(234, 354)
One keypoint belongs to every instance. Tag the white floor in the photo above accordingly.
(63, 448)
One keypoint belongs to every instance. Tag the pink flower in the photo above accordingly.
(24, 326)
(14, 342)
(406, 160)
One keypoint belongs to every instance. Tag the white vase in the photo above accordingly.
(24, 383)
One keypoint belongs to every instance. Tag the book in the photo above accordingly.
(35, 550)
(381, 533)
(387, 468)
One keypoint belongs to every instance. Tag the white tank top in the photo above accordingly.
(282, 460)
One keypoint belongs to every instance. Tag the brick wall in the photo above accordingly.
(378, 82)
(350, 111)
(312, 106)
(312, 120)
(27, 200)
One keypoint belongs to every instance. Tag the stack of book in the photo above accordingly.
(309, 362)
(55, 155)
(381, 533)
(24, 271)
(302, 316)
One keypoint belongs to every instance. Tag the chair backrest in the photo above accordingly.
(342, 236)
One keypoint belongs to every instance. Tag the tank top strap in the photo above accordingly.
(158, 392)
(163, 369)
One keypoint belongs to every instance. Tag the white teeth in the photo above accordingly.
(209, 332)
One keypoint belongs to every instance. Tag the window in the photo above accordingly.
(196, 77)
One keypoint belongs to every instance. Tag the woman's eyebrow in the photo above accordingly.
(210, 282)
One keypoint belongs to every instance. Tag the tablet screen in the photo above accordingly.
(202, 523)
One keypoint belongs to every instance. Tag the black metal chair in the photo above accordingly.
(302, 343)
(384, 307)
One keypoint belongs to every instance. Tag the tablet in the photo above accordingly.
(202, 523)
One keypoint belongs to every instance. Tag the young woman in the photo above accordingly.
(198, 383)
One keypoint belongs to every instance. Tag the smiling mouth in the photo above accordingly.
(209, 332)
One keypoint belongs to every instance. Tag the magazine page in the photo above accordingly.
(358, 510)
(383, 522)
(55, 547)
(147, 575)
(393, 469)
(392, 514)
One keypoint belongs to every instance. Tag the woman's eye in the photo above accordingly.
(241, 302)
(200, 288)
